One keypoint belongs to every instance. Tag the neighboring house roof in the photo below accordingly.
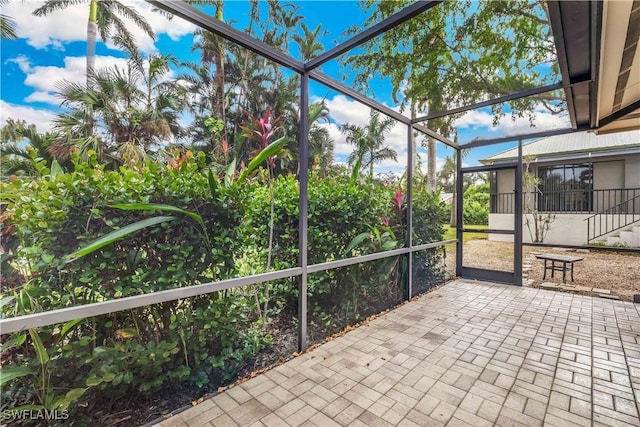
(446, 197)
(573, 145)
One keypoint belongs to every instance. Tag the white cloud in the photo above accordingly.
(483, 121)
(22, 61)
(42, 32)
(342, 111)
(174, 28)
(45, 79)
(70, 24)
(40, 96)
(41, 118)
(475, 119)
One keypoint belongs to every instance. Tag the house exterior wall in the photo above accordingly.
(505, 180)
(632, 177)
(609, 173)
(566, 229)
(607, 176)
(632, 171)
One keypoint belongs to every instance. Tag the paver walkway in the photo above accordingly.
(470, 353)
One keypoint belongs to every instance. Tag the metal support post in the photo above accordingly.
(409, 227)
(303, 210)
(459, 217)
(517, 237)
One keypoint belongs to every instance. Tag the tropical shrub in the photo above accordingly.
(140, 349)
(199, 231)
(476, 205)
(429, 215)
(339, 210)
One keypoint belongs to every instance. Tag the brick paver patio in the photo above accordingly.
(470, 353)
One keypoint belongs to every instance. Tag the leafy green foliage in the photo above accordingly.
(459, 53)
(20, 159)
(538, 223)
(369, 143)
(215, 232)
(139, 349)
(476, 204)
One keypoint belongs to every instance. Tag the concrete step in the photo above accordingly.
(629, 239)
(628, 236)
(613, 240)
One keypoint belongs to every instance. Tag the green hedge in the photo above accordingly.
(201, 340)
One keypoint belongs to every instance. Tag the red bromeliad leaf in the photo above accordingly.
(397, 200)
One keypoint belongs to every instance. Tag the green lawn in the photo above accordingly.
(450, 233)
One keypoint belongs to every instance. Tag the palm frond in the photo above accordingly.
(53, 5)
(129, 13)
(8, 29)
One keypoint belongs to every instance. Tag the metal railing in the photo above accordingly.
(502, 203)
(613, 219)
(47, 318)
(571, 201)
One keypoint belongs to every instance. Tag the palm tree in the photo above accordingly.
(105, 17)
(308, 41)
(369, 141)
(19, 158)
(121, 114)
(320, 142)
(7, 25)
(201, 87)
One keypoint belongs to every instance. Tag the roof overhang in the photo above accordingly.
(579, 156)
(599, 56)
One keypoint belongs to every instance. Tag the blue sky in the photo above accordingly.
(48, 52)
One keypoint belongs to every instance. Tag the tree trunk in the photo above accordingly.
(371, 164)
(92, 36)
(431, 165)
(414, 148)
(219, 74)
(454, 204)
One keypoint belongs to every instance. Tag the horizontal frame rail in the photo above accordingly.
(386, 24)
(372, 257)
(346, 90)
(487, 230)
(499, 276)
(483, 142)
(35, 320)
(487, 168)
(53, 317)
(433, 134)
(500, 100)
(209, 23)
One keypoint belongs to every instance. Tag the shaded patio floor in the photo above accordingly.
(470, 353)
